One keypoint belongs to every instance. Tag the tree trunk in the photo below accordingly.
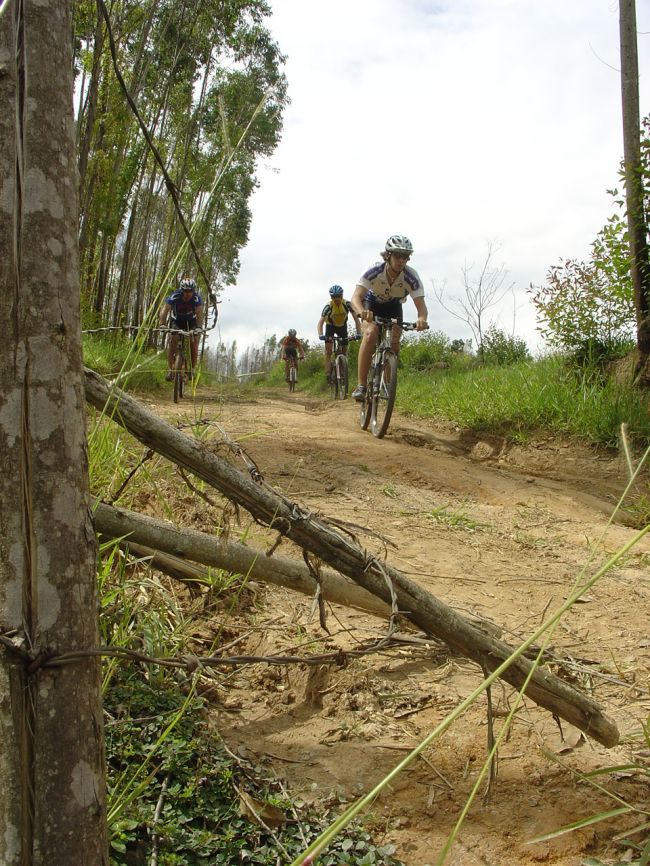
(636, 217)
(188, 544)
(52, 792)
(347, 557)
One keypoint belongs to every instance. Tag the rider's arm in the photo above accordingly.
(319, 326)
(422, 312)
(357, 320)
(301, 349)
(199, 316)
(165, 310)
(357, 303)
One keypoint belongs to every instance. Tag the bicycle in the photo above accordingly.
(382, 379)
(179, 367)
(293, 373)
(339, 373)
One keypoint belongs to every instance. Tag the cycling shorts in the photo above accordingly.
(291, 352)
(388, 310)
(340, 330)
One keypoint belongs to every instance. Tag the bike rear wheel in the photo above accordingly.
(383, 396)
(179, 377)
(341, 374)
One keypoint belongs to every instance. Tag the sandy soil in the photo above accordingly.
(495, 530)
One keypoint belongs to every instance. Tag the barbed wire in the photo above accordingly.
(189, 662)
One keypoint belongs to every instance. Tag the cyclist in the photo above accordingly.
(289, 348)
(186, 310)
(335, 319)
(381, 291)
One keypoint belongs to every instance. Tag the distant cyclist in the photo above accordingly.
(185, 308)
(381, 291)
(335, 319)
(290, 347)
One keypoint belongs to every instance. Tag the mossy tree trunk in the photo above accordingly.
(52, 790)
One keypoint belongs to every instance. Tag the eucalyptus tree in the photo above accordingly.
(206, 78)
(634, 187)
(52, 793)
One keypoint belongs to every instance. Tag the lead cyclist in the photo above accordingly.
(381, 291)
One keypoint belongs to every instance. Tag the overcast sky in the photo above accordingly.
(456, 123)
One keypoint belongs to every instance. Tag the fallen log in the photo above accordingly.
(164, 542)
(346, 556)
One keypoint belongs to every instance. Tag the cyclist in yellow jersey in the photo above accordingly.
(335, 320)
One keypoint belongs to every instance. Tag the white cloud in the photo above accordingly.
(451, 122)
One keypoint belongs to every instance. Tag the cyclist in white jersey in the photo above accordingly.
(381, 291)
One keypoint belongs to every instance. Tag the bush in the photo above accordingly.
(423, 351)
(502, 350)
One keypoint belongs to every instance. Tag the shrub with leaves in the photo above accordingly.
(501, 349)
(173, 786)
(423, 351)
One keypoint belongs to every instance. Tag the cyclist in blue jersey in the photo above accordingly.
(381, 291)
(185, 308)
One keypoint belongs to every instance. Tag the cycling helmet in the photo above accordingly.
(292, 332)
(188, 285)
(336, 292)
(399, 244)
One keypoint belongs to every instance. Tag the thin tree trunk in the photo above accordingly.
(636, 217)
(188, 544)
(347, 557)
(52, 792)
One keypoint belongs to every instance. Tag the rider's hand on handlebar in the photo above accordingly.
(367, 316)
(358, 336)
(322, 337)
(421, 324)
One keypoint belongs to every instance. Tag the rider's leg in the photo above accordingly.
(172, 343)
(397, 333)
(194, 351)
(328, 357)
(366, 349)
(286, 369)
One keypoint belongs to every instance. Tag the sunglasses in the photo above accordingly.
(404, 256)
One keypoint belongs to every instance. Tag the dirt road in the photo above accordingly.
(497, 531)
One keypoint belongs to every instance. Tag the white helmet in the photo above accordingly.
(399, 244)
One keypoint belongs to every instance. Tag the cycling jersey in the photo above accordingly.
(406, 283)
(336, 312)
(184, 312)
(291, 343)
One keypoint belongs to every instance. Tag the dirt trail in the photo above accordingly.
(494, 530)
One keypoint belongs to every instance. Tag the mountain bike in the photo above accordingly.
(293, 373)
(339, 373)
(382, 379)
(180, 367)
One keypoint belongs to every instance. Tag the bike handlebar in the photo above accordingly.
(194, 332)
(405, 326)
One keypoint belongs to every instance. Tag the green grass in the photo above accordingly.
(527, 397)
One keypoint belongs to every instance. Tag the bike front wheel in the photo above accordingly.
(293, 376)
(179, 378)
(383, 395)
(341, 374)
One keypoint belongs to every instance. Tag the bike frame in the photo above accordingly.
(180, 366)
(339, 368)
(382, 378)
(293, 372)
